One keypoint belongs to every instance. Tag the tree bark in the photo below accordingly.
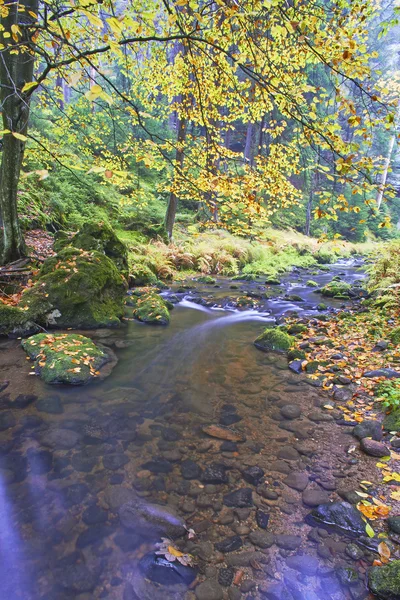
(386, 165)
(179, 158)
(16, 69)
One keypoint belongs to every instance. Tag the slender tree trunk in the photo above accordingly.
(248, 145)
(386, 165)
(179, 158)
(16, 69)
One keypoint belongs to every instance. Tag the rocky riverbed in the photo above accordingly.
(198, 439)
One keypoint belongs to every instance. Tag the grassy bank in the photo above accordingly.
(220, 253)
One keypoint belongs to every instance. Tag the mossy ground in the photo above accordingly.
(65, 358)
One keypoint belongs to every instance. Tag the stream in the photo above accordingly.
(92, 478)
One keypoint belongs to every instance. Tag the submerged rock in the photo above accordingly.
(340, 516)
(224, 433)
(153, 520)
(150, 308)
(160, 570)
(274, 340)
(384, 581)
(368, 429)
(374, 448)
(242, 498)
(65, 358)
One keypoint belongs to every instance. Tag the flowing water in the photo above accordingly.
(71, 457)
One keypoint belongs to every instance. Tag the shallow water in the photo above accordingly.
(72, 456)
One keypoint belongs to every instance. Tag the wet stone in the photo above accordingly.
(21, 401)
(75, 493)
(83, 463)
(160, 570)
(340, 516)
(347, 576)
(225, 576)
(305, 564)
(113, 462)
(209, 590)
(244, 559)
(215, 473)
(394, 524)
(229, 419)
(170, 435)
(158, 465)
(94, 514)
(152, 519)
(288, 542)
(262, 519)
(315, 497)
(229, 544)
(76, 578)
(374, 448)
(40, 462)
(51, 405)
(190, 470)
(297, 480)
(262, 539)
(354, 551)
(7, 420)
(253, 475)
(290, 411)
(60, 438)
(229, 447)
(93, 534)
(288, 453)
(128, 542)
(241, 498)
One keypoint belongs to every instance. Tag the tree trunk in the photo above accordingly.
(179, 158)
(386, 165)
(16, 69)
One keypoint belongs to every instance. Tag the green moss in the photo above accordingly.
(311, 283)
(392, 421)
(274, 340)
(245, 277)
(101, 238)
(312, 366)
(336, 289)
(65, 358)
(296, 354)
(140, 275)
(322, 306)
(395, 336)
(384, 581)
(151, 308)
(295, 298)
(77, 289)
(325, 257)
(15, 320)
(272, 280)
(206, 279)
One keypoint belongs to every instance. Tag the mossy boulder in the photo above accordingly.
(392, 421)
(322, 306)
(297, 328)
(274, 340)
(272, 280)
(311, 283)
(16, 321)
(101, 238)
(140, 275)
(296, 354)
(384, 581)
(338, 289)
(78, 289)
(65, 358)
(150, 308)
(206, 279)
(325, 257)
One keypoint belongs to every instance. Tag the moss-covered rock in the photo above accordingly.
(206, 279)
(16, 321)
(77, 289)
(384, 581)
(297, 328)
(312, 366)
(325, 257)
(272, 280)
(392, 421)
(311, 283)
(151, 308)
(296, 354)
(322, 306)
(245, 277)
(395, 336)
(274, 340)
(99, 237)
(65, 358)
(140, 275)
(336, 289)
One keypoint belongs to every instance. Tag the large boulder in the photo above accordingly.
(384, 581)
(65, 358)
(101, 238)
(78, 289)
(16, 321)
(392, 421)
(152, 520)
(274, 340)
(150, 308)
(336, 288)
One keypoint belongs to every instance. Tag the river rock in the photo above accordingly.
(305, 564)
(388, 373)
(262, 539)
(7, 420)
(315, 497)
(117, 495)
(297, 480)
(113, 462)
(340, 516)
(394, 524)
(209, 590)
(368, 429)
(262, 519)
(242, 498)
(290, 411)
(224, 433)
(244, 559)
(75, 578)
(190, 470)
(215, 473)
(229, 544)
(288, 541)
(60, 438)
(152, 519)
(160, 570)
(253, 475)
(374, 448)
(384, 581)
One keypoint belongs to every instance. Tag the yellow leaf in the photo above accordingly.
(19, 136)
